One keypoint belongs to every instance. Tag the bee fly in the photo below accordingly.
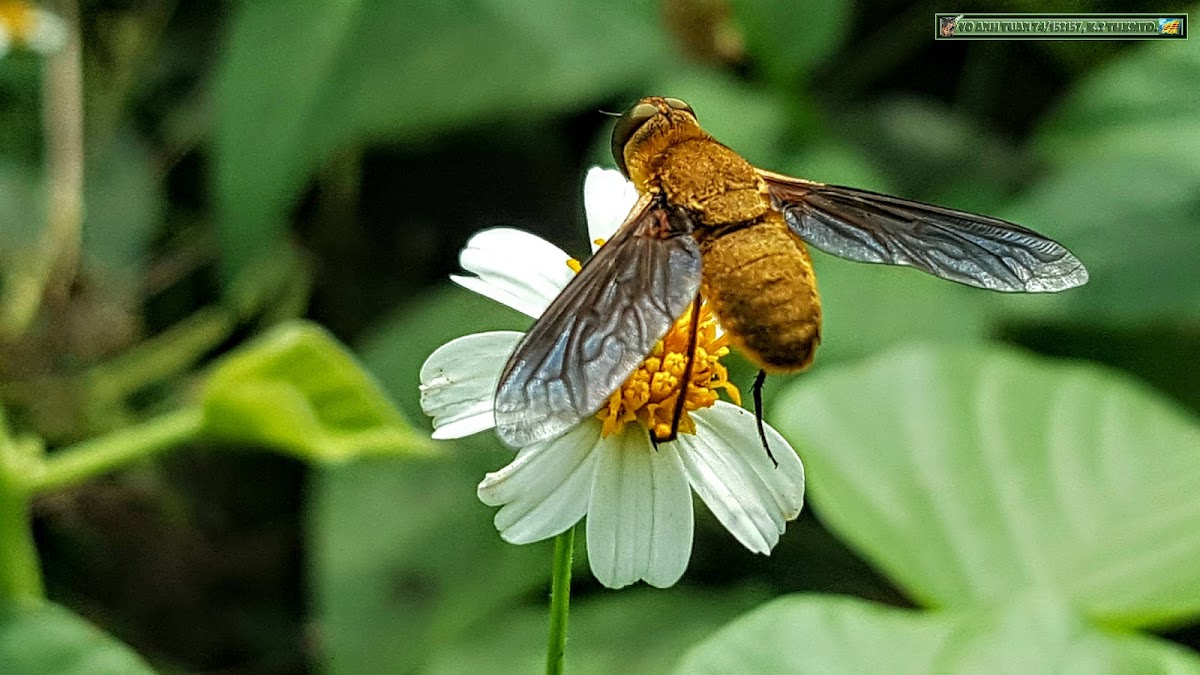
(709, 222)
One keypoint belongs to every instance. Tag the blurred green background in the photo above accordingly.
(249, 163)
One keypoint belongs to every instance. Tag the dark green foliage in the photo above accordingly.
(253, 163)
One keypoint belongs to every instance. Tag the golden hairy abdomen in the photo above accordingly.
(760, 282)
(757, 274)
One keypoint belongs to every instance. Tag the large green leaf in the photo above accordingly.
(830, 634)
(298, 390)
(633, 631)
(968, 475)
(50, 639)
(301, 79)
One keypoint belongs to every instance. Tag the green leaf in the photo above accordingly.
(1132, 221)
(50, 639)
(789, 42)
(933, 152)
(603, 638)
(301, 79)
(967, 475)
(819, 634)
(431, 563)
(869, 307)
(298, 390)
(23, 217)
(1123, 189)
(830, 634)
(1141, 104)
(20, 107)
(124, 205)
(406, 559)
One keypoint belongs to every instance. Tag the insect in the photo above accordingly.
(707, 219)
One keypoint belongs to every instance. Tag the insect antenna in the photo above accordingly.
(756, 390)
(677, 414)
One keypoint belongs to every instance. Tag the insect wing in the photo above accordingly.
(956, 245)
(601, 327)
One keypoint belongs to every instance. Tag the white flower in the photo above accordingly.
(637, 498)
(22, 23)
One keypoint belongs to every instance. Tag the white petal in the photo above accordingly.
(545, 489)
(728, 467)
(607, 198)
(639, 519)
(515, 268)
(458, 382)
(48, 32)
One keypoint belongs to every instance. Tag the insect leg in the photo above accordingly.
(677, 415)
(756, 389)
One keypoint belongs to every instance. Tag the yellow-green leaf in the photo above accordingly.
(298, 390)
(50, 639)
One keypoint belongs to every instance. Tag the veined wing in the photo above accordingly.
(964, 247)
(601, 327)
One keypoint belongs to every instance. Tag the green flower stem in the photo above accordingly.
(560, 601)
(25, 471)
(20, 572)
(93, 457)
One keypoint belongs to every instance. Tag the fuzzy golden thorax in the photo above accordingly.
(671, 155)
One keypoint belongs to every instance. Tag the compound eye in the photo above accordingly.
(626, 127)
(680, 105)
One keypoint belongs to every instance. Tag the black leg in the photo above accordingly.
(677, 414)
(756, 390)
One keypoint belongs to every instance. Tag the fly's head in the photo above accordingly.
(645, 131)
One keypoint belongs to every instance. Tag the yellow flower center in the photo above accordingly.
(18, 18)
(651, 393)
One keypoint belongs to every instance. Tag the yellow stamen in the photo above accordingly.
(650, 394)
